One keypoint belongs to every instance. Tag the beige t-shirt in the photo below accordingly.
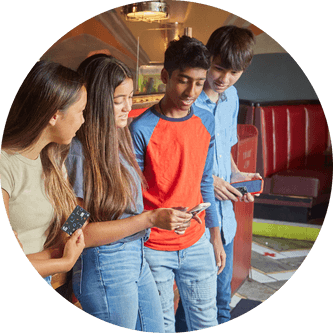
(30, 211)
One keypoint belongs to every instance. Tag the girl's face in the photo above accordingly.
(122, 102)
(69, 122)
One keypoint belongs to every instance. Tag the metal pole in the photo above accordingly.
(137, 65)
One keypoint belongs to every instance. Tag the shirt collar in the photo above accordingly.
(222, 97)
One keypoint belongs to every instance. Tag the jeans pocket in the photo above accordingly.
(111, 248)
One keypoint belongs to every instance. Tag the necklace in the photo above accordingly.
(160, 106)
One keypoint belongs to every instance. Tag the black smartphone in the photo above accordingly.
(76, 220)
(254, 186)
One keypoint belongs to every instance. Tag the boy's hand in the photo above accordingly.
(220, 256)
(197, 218)
(224, 191)
(170, 219)
(181, 230)
(242, 176)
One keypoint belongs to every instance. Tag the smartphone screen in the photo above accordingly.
(251, 186)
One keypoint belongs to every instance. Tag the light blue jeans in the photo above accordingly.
(223, 292)
(224, 285)
(194, 270)
(48, 279)
(114, 283)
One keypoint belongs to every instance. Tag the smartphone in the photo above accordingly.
(194, 211)
(197, 209)
(254, 186)
(76, 220)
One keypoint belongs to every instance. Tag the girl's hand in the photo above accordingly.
(73, 247)
(170, 219)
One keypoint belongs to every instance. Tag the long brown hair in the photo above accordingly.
(48, 88)
(108, 187)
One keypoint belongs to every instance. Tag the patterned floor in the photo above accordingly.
(274, 261)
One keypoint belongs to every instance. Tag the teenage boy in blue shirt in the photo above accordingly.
(231, 50)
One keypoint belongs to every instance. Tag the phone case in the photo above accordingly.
(76, 220)
(199, 208)
(254, 186)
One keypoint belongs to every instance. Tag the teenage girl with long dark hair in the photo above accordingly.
(43, 119)
(112, 280)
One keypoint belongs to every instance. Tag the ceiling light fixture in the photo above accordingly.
(148, 11)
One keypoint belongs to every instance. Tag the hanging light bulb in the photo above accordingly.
(148, 11)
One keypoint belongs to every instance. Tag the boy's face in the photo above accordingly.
(183, 87)
(220, 78)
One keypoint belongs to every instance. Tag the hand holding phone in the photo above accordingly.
(254, 186)
(76, 220)
(199, 208)
(194, 211)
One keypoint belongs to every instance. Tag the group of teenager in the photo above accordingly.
(67, 142)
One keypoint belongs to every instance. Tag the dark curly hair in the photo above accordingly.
(186, 52)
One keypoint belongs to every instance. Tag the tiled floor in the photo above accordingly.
(274, 261)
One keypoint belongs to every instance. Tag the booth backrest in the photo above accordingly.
(292, 136)
(245, 152)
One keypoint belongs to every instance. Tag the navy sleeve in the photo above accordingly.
(139, 145)
(207, 182)
(142, 129)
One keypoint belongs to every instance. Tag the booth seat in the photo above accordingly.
(294, 154)
(245, 156)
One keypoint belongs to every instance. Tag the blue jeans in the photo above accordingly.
(114, 283)
(224, 285)
(48, 279)
(194, 270)
(223, 293)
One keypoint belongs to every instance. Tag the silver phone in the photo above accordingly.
(199, 208)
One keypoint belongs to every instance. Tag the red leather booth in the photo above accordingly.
(294, 157)
(245, 157)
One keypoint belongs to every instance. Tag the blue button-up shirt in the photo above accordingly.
(226, 114)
